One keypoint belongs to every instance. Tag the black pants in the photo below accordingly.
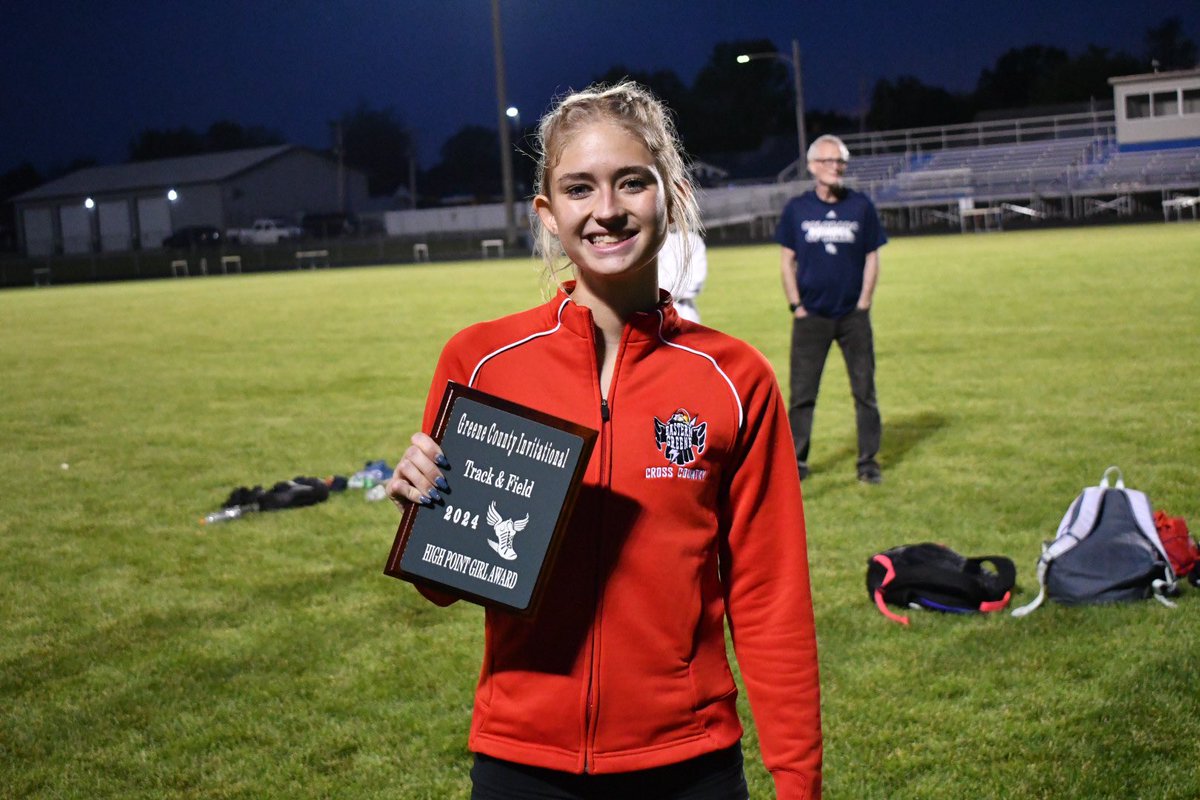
(715, 776)
(812, 337)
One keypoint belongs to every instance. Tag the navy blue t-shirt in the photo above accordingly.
(831, 241)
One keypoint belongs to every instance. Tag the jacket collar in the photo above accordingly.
(662, 321)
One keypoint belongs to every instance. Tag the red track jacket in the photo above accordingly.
(624, 666)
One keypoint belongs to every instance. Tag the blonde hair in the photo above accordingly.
(637, 110)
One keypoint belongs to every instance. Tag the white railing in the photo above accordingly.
(1100, 123)
(974, 134)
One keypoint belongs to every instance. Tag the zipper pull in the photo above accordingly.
(604, 409)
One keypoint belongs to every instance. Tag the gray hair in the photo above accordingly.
(829, 137)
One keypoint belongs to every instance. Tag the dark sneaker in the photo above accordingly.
(803, 468)
(870, 474)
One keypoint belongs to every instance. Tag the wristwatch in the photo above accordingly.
(793, 306)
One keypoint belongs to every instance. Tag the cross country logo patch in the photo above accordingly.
(681, 439)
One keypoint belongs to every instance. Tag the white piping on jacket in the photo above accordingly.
(737, 399)
(530, 337)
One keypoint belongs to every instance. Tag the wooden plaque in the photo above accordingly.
(514, 474)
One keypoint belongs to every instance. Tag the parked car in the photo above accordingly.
(264, 231)
(192, 236)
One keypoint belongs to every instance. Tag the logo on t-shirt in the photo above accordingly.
(830, 231)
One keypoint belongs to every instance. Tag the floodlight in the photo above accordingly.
(89, 204)
(172, 195)
(746, 58)
(512, 112)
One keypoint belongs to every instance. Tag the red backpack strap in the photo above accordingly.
(889, 576)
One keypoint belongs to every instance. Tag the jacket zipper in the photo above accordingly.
(605, 458)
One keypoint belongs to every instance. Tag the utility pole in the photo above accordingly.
(506, 174)
(798, 87)
(412, 175)
(801, 134)
(339, 148)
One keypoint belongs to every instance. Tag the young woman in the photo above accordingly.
(690, 509)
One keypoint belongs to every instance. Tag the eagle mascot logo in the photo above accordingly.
(680, 438)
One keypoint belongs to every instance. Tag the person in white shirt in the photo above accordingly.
(683, 281)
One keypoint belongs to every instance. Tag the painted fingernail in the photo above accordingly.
(442, 462)
(435, 496)
(423, 500)
(441, 484)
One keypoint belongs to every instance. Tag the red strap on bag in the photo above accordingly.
(1181, 548)
(996, 605)
(888, 577)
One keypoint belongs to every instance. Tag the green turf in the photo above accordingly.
(145, 656)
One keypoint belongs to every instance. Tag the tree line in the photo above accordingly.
(728, 108)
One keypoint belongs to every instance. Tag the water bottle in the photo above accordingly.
(372, 473)
(226, 514)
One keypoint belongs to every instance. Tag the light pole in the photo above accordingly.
(514, 115)
(172, 199)
(93, 228)
(506, 176)
(797, 76)
(339, 147)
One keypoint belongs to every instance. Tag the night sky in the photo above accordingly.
(80, 79)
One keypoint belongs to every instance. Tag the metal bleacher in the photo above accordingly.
(1066, 166)
(1143, 170)
(984, 173)
(1070, 177)
(876, 168)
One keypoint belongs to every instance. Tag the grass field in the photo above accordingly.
(145, 656)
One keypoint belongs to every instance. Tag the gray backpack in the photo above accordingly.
(1106, 550)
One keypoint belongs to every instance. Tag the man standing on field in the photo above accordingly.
(830, 239)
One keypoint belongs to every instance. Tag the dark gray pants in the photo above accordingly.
(811, 339)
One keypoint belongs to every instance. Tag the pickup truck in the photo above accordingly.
(264, 231)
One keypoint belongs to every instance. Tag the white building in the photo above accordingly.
(1158, 109)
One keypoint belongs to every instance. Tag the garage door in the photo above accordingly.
(114, 226)
(76, 226)
(154, 221)
(39, 231)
